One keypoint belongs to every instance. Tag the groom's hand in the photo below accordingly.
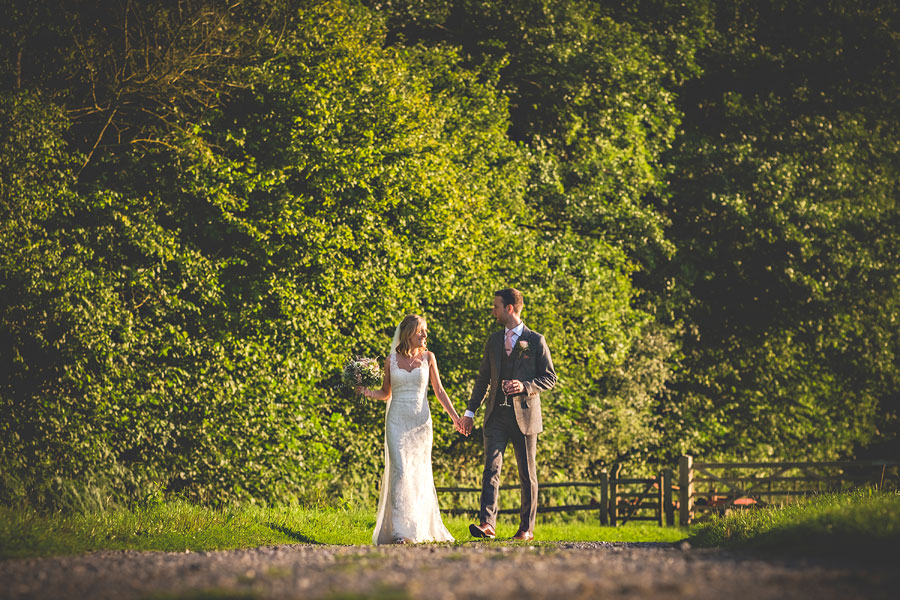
(513, 387)
(465, 425)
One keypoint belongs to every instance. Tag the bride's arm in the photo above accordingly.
(385, 392)
(439, 389)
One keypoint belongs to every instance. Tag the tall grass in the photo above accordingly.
(180, 526)
(864, 523)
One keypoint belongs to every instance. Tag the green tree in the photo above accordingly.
(784, 213)
(591, 88)
(205, 272)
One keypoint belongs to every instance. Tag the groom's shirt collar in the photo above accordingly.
(517, 330)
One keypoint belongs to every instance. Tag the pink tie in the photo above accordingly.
(509, 335)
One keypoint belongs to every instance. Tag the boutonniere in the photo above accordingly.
(522, 348)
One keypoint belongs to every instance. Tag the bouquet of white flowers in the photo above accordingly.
(362, 372)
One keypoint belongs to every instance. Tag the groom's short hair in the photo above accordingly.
(512, 296)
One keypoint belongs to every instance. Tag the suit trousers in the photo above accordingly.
(499, 431)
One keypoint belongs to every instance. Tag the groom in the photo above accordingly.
(516, 368)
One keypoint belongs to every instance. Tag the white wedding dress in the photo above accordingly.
(407, 506)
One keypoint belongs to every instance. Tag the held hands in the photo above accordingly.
(455, 419)
(510, 388)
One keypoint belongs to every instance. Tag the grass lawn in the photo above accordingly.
(864, 524)
(179, 526)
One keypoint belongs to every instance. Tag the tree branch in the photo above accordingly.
(97, 143)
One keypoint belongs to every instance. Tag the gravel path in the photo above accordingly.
(474, 570)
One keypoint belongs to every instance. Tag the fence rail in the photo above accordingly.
(705, 488)
(594, 505)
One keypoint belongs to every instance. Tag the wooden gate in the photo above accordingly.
(641, 495)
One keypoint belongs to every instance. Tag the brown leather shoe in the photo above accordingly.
(523, 536)
(485, 530)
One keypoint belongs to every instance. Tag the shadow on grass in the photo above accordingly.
(294, 535)
(847, 548)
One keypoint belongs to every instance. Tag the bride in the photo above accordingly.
(408, 508)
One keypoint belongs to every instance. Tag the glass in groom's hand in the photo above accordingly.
(505, 385)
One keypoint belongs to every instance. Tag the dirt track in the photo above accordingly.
(475, 570)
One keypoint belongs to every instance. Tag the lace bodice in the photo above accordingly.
(409, 386)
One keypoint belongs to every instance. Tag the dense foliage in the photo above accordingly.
(206, 209)
(785, 213)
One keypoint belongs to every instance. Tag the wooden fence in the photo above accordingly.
(715, 488)
(702, 489)
(620, 499)
(542, 508)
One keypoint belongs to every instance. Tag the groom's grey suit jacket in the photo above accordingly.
(532, 366)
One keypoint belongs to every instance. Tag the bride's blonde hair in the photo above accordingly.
(408, 326)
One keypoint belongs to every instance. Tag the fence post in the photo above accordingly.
(604, 497)
(686, 488)
(614, 495)
(660, 496)
(667, 497)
